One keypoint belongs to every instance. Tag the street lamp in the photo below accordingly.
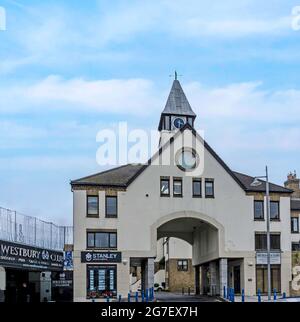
(256, 182)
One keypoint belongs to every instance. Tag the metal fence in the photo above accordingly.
(19, 228)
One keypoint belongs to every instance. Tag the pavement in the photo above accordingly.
(178, 297)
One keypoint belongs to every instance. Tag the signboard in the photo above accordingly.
(29, 257)
(68, 260)
(262, 258)
(101, 257)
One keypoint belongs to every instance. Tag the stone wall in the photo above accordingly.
(180, 279)
(295, 284)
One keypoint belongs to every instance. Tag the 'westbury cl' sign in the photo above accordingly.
(23, 256)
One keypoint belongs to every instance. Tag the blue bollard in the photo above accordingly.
(147, 295)
(232, 295)
(243, 295)
(143, 296)
(284, 295)
(120, 298)
(107, 298)
(228, 293)
(258, 295)
(136, 296)
(275, 295)
(129, 298)
(224, 292)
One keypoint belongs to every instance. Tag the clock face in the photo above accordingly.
(187, 160)
(178, 123)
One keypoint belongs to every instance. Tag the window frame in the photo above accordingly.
(278, 203)
(292, 230)
(111, 215)
(167, 180)
(94, 232)
(87, 206)
(181, 185)
(264, 234)
(263, 210)
(182, 267)
(207, 180)
(197, 180)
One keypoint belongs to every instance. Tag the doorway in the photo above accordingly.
(237, 279)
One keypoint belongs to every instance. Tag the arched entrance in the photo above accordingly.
(206, 236)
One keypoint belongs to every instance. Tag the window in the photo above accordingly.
(177, 187)
(92, 206)
(295, 247)
(261, 241)
(258, 210)
(182, 265)
(165, 187)
(209, 188)
(274, 210)
(101, 240)
(262, 278)
(295, 224)
(111, 207)
(101, 281)
(197, 191)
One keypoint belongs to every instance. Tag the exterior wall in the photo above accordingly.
(179, 280)
(228, 217)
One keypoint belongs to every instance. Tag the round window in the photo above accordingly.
(187, 159)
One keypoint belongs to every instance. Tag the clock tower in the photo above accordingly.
(176, 113)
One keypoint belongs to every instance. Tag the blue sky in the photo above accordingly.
(70, 68)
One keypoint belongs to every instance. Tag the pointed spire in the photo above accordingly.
(177, 102)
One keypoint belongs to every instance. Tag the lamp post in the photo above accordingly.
(256, 183)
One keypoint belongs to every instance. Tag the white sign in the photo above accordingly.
(262, 258)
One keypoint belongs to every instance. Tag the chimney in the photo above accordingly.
(293, 183)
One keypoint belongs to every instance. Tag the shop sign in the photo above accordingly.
(29, 257)
(262, 258)
(101, 257)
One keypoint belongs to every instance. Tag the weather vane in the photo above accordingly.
(176, 75)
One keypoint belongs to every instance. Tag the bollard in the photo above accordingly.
(129, 297)
(143, 296)
(232, 295)
(120, 298)
(147, 295)
(243, 295)
(258, 295)
(284, 295)
(136, 296)
(275, 295)
(224, 292)
(151, 294)
(107, 298)
(93, 300)
(228, 293)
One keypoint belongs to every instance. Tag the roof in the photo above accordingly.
(295, 204)
(246, 181)
(124, 175)
(116, 177)
(177, 102)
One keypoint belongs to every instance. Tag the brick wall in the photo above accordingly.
(180, 279)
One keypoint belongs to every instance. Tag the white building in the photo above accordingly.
(185, 191)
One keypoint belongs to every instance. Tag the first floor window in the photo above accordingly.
(177, 187)
(101, 281)
(165, 187)
(295, 247)
(182, 265)
(262, 278)
(92, 206)
(274, 210)
(209, 188)
(197, 191)
(100, 240)
(295, 224)
(111, 206)
(258, 210)
(261, 241)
